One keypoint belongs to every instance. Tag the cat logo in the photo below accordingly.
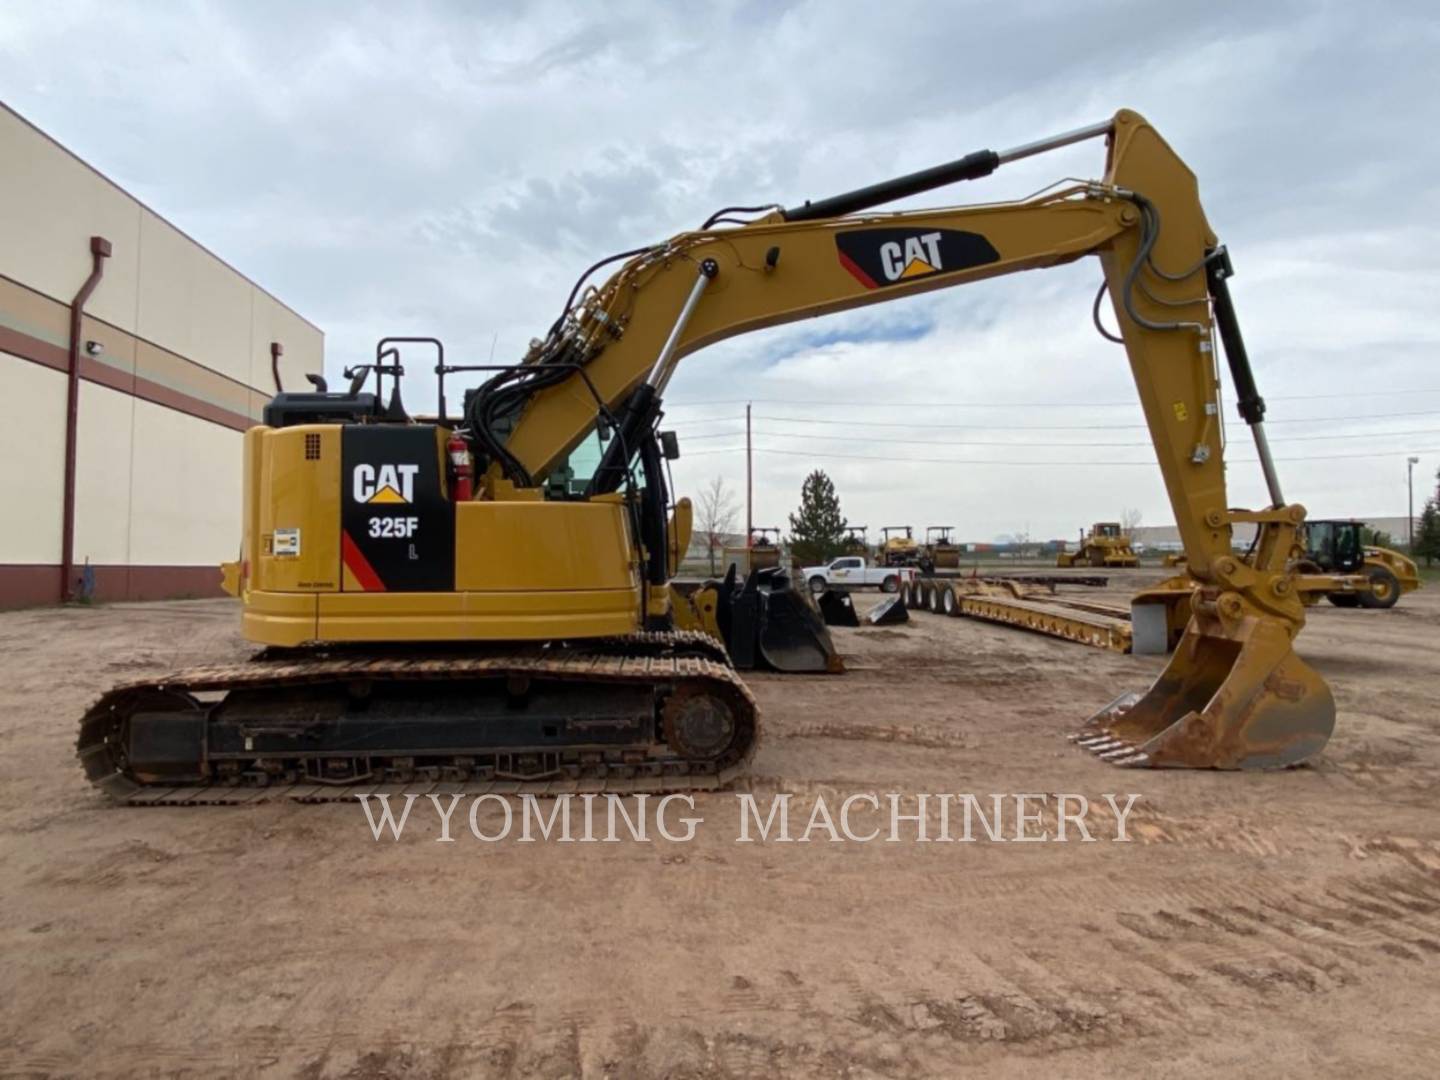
(878, 258)
(384, 484)
(919, 255)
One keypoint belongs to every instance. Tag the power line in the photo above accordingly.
(1047, 427)
(1053, 445)
(1026, 404)
(1047, 464)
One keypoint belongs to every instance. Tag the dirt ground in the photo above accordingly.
(1272, 924)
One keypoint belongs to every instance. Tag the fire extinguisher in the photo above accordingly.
(462, 471)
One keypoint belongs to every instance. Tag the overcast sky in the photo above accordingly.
(448, 169)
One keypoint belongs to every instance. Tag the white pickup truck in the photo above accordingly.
(853, 572)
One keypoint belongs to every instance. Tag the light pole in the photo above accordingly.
(1410, 464)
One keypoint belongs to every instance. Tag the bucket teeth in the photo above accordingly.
(1111, 750)
(1121, 750)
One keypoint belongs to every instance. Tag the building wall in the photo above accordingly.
(183, 369)
(1167, 537)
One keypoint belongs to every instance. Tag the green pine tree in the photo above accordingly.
(1376, 537)
(1427, 533)
(817, 529)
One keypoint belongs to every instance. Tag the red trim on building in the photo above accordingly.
(32, 585)
(92, 370)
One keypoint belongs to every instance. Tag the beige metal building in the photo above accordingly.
(125, 436)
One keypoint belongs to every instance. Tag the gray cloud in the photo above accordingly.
(449, 168)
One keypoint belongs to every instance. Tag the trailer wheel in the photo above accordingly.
(1384, 589)
(948, 602)
(891, 584)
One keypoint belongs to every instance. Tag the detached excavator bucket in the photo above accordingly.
(769, 624)
(889, 612)
(837, 608)
(1232, 697)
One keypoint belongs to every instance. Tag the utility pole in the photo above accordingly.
(1410, 464)
(749, 482)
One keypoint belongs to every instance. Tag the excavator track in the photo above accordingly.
(647, 713)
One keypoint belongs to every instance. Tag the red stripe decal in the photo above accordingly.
(860, 275)
(359, 565)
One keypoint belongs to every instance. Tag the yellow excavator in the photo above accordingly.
(523, 634)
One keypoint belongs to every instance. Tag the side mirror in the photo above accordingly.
(670, 445)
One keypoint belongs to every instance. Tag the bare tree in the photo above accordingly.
(1130, 520)
(717, 511)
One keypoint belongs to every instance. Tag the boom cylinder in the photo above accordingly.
(970, 167)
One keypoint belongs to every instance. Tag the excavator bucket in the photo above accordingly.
(837, 608)
(1231, 698)
(767, 623)
(889, 612)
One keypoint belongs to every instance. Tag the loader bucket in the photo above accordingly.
(837, 608)
(769, 624)
(1227, 700)
(889, 612)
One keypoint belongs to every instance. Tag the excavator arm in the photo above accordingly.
(1235, 694)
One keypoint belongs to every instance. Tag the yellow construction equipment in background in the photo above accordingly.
(762, 552)
(855, 542)
(939, 552)
(525, 632)
(898, 548)
(1106, 545)
(1337, 547)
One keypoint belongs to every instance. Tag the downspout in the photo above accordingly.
(276, 351)
(99, 252)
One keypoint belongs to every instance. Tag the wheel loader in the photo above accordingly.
(483, 601)
(1329, 560)
(1337, 547)
(1107, 544)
